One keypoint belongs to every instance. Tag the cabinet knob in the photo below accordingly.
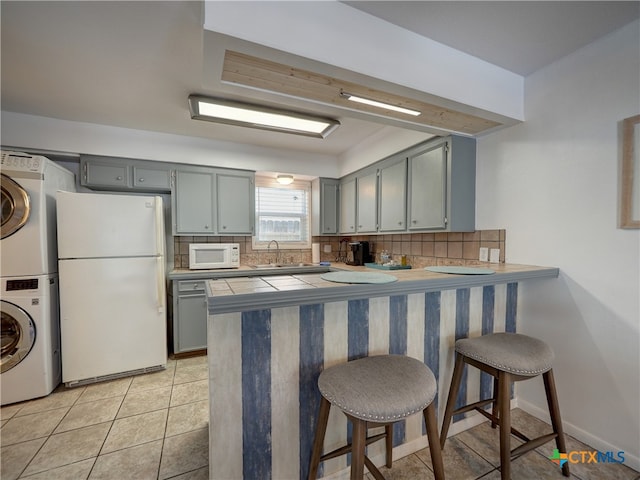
(224, 226)
(141, 180)
(399, 223)
(359, 226)
(206, 226)
(118, 177)
(414, 221)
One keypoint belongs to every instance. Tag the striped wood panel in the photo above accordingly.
(264, 367)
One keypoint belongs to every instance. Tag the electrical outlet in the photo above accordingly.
(484, 254)
(326, 248)
(494, 255)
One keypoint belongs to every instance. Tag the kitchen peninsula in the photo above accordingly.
(270, 336)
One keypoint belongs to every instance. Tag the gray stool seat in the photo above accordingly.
(509, 352)
(379, 389)
(509, 358)
(371, 392)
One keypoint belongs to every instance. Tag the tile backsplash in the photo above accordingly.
(421, 249)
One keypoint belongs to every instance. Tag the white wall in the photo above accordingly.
(33, 132)
(552, 182)
(337, 34)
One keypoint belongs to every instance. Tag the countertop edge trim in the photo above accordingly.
(344, 292)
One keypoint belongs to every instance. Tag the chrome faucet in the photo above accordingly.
(277, 250)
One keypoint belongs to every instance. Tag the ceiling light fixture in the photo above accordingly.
(376, 103)
(256, 116)
(284, 179)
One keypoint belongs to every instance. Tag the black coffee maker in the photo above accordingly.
(360, 253)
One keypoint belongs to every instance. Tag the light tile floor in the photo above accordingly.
(155, 426)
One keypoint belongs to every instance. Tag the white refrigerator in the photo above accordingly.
(112, 285)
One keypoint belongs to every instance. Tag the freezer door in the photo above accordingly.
(112, 316)
(99, 225)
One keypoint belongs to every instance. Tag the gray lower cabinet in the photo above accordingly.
(209, 201)
(189, 316)
(124, 174)
(324, 206)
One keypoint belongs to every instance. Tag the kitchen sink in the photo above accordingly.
(283, 265)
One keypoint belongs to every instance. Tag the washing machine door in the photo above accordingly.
(18, 335)
(15, 206)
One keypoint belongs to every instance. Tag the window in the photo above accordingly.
(282, 214)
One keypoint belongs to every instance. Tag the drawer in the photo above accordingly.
(191, 285)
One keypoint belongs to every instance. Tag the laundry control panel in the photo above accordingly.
(21, 162)
(22, 284)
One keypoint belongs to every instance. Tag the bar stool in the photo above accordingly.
(371, 392)
(508, 357)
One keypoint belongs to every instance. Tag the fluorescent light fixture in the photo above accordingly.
(255, 116)
(284, 179)
(375, 103)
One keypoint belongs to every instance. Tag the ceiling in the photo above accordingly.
(133, 64)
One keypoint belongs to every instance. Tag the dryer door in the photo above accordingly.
(18, 335)
(15, 206)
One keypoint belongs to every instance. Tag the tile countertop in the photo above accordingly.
(268, 289)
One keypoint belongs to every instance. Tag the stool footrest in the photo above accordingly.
(477, 406)
(531, 444)
(474, 406)
(347, 448)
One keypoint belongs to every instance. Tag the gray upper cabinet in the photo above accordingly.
(324, 206)
(147, 177)
(366, 202)
(235, 198)
(192, 203)
(392, 200)
(442, 185)
(348, 206)
(427, 186)
(124, 174)
(208, 201)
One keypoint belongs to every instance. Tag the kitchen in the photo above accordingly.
(550, 182)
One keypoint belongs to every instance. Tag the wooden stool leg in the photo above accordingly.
(318, 440)
(504, 408)
(554, 413)
(451, 399)
(434, 441)
(358, 443)
(389, 444)
(494, 408)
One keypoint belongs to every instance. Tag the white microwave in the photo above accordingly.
(214, 255)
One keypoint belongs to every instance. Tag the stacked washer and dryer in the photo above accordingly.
(30, 365)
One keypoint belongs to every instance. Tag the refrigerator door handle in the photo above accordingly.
(159, 223)
(160, 284)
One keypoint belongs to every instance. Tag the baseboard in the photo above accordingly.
(630, 459)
